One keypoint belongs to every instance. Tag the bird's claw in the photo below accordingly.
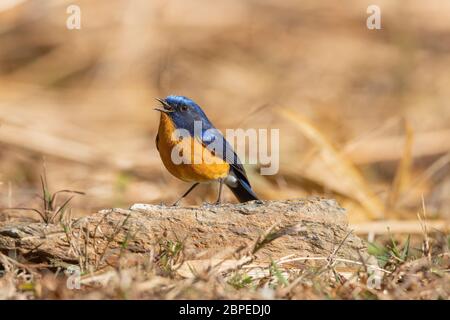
(215, 203)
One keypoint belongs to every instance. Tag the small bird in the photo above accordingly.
(216, 164)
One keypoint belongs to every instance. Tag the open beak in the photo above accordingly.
(167, 107)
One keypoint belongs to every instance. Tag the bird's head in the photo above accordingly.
(183, 111)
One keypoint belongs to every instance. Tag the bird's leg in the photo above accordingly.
(185, 194)
(219, 198)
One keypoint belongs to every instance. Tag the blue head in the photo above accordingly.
(183, 112)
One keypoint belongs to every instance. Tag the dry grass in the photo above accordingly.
(412, 269)
(363, 117)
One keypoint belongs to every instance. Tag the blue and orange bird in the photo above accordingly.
(217, 164)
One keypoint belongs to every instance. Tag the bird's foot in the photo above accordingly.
(215, 203)
(176, 203)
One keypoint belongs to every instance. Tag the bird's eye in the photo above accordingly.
(184, 108)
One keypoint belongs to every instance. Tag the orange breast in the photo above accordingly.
(198, 164)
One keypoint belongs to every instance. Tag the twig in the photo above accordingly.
(336, 259)
(423, 223)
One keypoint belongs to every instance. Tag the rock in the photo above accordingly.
(267, 230)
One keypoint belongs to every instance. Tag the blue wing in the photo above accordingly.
(211, 139)
(214, 141)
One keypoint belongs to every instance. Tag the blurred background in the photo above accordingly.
(364, 115)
